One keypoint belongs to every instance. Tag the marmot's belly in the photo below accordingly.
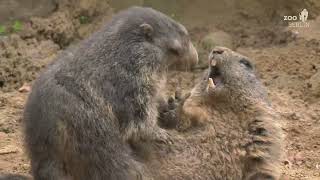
(200, 155)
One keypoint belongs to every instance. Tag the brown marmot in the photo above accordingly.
(88, 105)
(226, 129)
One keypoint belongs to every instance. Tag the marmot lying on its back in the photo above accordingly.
(227, 128)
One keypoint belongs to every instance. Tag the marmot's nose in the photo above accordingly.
(217, 50)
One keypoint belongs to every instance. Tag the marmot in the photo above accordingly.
(227, 128)
(88, 105)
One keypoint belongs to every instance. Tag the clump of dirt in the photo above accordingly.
(25, 53)
(73, 20)
(58, 27)
(22, 59)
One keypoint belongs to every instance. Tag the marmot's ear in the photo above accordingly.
(147, 29)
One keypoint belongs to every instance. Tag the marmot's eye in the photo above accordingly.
(246, 63)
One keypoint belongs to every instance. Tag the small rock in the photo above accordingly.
(9, 150)
(25, 88)
(285, 177)
(299, 157)
(25, 166)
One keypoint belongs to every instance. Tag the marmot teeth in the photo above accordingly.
(213, 62)
(211, 84)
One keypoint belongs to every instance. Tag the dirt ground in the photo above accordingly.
(287, 60)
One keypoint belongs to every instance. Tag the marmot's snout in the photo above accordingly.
(193, 55)
(188, 59)
(216, 52)
(214, 77)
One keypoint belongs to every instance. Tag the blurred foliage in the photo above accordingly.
(2, 29)
(84, 19)
(17, 26)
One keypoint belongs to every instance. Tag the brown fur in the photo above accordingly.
(85, 108)
(230, 133)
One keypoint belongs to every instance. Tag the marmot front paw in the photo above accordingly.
(170, 116)
(162, 136)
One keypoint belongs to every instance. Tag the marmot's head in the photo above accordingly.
(158, 33)
(232, 78)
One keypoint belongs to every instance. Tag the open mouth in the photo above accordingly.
(214, 78)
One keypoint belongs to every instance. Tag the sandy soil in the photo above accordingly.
(287, 59)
